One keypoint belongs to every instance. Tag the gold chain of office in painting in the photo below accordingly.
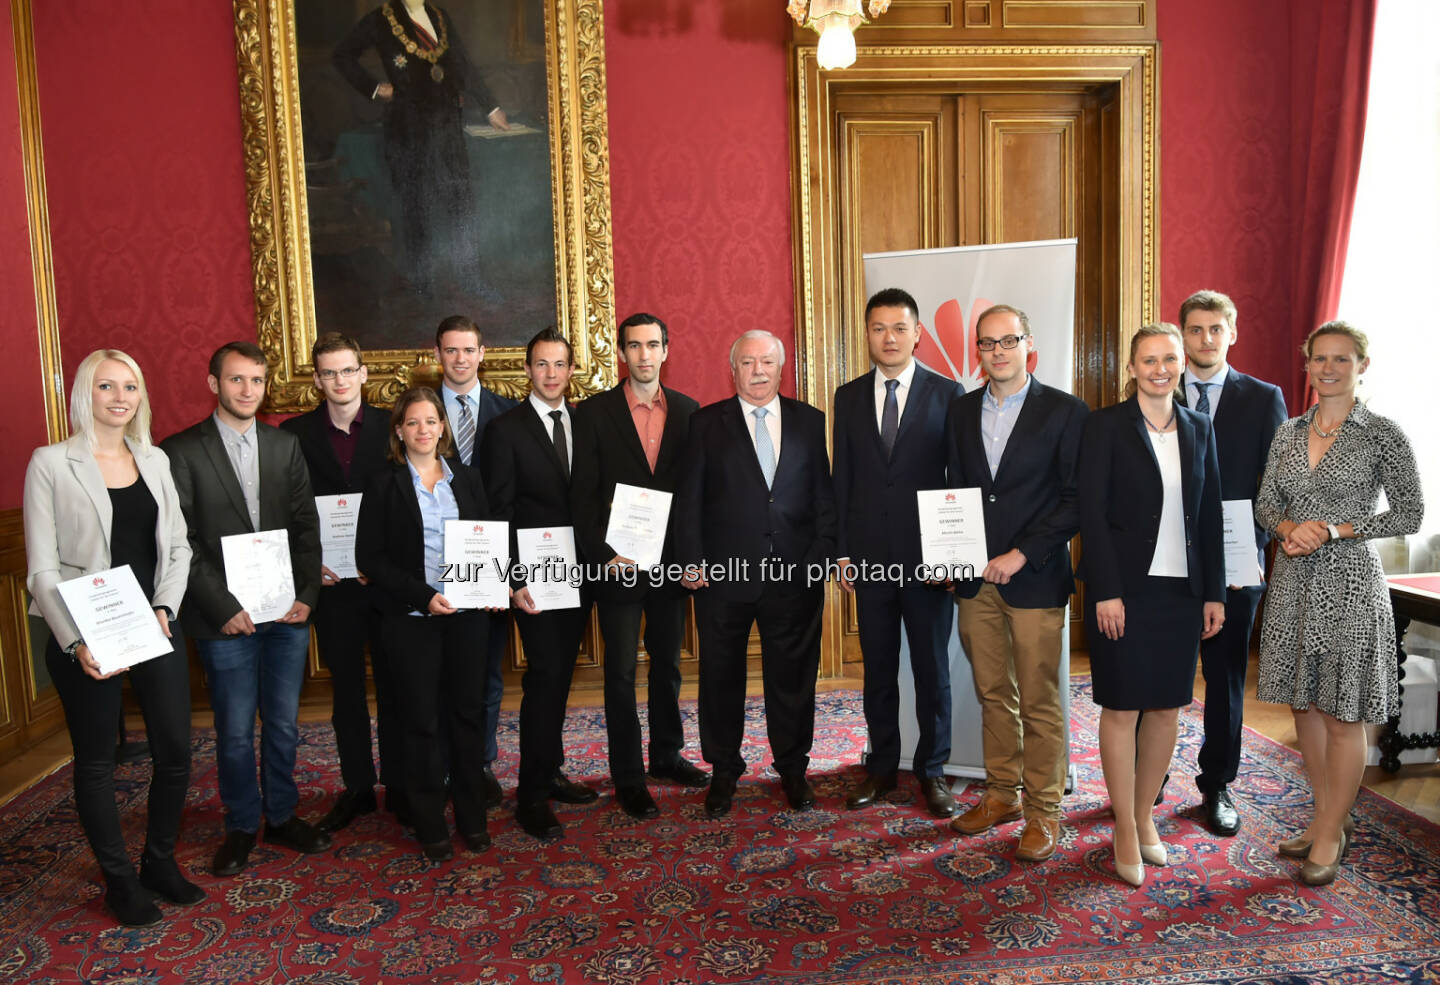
(442, 44)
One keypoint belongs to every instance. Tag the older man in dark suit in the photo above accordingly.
(235, 475)
(1246, 412)
(635, 434)
(890, 442)
(756, 533)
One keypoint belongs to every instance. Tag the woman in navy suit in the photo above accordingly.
(1154, 569)
(438, 651)
(105, 499)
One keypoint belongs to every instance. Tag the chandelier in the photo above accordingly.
(835, 21)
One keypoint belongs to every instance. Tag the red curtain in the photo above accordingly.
(1330, 49)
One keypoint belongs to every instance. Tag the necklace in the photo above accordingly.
(433, 56)
(1160, 431)
(1315, 424)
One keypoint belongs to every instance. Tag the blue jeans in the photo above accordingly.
(248, 673)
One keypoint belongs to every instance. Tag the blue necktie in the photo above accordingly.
(1202, 403)
(465, 430)
(764, 447)
(890, 417)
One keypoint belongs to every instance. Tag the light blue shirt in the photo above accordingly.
(997, 421)
(436, 506)
(244, 453)
(1217, 383)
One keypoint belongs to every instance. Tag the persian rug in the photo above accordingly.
(879, 896)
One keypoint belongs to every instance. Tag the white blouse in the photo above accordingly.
(1169, 558)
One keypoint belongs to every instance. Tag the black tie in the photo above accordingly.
(557, 434)
(890, 417)
(1202, 403)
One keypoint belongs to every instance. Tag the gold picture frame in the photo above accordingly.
(266, 54)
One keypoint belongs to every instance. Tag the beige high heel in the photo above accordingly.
(1133, 874)
(1155, 854)
(1315, 874)
(1299, 846)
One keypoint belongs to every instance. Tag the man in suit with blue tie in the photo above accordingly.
(1246, 412)
(469, 408)
(755, 533)
(1018, 441)
(890, 441)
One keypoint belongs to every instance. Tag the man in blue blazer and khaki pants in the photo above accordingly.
(890, 439)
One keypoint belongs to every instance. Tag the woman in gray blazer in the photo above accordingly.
(103, 499)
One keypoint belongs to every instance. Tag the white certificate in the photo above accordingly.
(477, 564)
(258, 573)
(114, 618)
(1242, 564)
(952, 532)
(548, 554)
(338, 517)
(638, 517)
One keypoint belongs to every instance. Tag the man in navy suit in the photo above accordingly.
(1246, 412)
(890, 441)
(755, 532)
(470, 407)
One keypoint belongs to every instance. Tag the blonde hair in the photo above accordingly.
(1149, 332)
(82, 404)
(1361, 340)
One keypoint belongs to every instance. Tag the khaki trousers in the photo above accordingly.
(1015, 656)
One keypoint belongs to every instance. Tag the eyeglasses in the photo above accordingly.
(1004, 342)
(331, 375)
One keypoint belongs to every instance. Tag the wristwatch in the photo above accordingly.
(1334, 532)
(70, 650)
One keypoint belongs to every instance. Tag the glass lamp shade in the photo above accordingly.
(837, 44)
(835, 21)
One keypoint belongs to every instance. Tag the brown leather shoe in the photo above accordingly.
(985, 815)
(1038, 840)
(869, 790)
(938, 797)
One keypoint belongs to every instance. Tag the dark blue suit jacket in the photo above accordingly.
(1121, 498)
(725, 512)
(875, 493)
(1246, 418)
(1033, 501)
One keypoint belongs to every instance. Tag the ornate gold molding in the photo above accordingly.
(265, 51)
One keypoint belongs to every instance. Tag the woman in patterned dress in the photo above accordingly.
(1327, 645)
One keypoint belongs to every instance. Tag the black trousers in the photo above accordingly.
(664, 617)
(162, 686)
(790, 658)
(551, 641)
(345, 622)
(1224, 660)
(438, 667)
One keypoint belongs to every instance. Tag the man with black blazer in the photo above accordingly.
(344, 441)
(527, 454)
(236, 475)
(755, 532)
(1246, 413)
(1018, 442)
(890, 441)
(635, 434)
(469, 409)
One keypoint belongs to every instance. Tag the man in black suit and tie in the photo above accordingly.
(756, 534)
(527, 453)
(635, 434)
(890, 441)
(235, 475)
(1246, 413)
(470, 407)
(1018, 441)
(344, 441)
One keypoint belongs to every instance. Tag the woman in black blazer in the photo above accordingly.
(437, 652)
(1153, 562)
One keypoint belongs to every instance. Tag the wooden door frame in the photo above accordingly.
(821, 326)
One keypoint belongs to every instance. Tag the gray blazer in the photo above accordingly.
(67, 527)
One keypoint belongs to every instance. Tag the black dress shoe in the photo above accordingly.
(477, 841)
(298, 835)
(490, 787)
(166, 881)
(131, 903)
(567, 791)
(348, 806)
(870, 789)
(683, 772)
(938, 798)
(539, 821)
(636, 801)
(438, 851)
(233, 853)
(798, 791)
(1221, 816)
(720, 795)
(1160, 794)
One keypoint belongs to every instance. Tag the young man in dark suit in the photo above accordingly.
(235, 475)
(635, 434)
(756, 533)
(344, 441)
(526, 459)
(469, 409)
(890, 441)
(1018, 441)
(1246, 412)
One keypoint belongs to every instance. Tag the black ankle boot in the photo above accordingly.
(167, 881)
(132, 904)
